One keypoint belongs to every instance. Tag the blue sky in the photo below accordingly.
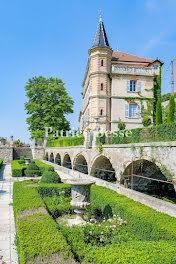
(52, 38)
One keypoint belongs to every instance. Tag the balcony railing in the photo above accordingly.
(133, 70)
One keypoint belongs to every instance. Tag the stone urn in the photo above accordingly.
(27, 161)
(80, 191)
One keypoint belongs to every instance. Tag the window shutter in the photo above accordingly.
(127, 110)
(139, 110)
(128, 85)
(139, 86)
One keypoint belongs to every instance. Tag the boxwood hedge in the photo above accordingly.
(17, 169)
(38, 239)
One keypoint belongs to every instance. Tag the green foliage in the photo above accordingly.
(32, 170)
(50, 177)
(156, 92)
(163, 132)
(1, 163)
(37, 235)
(100, 147)
(159, 118)
(42, 166)
(166, 173)
(146, 121)
(49, 190)
(171, 113)
(38, 134)
(166, 97)
(17, 169)
(121, 126)
(25, 197)
(58, 205)
(144, 222)
(134, 252)
(66, 141)
(48, 103)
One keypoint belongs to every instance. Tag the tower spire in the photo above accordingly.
(100, 40)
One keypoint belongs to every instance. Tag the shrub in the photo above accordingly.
(38, 239)
(58, 206)
(50, 177)
(25, 198)
(1, 163)
(121, 126)
(146, 121)
(159, 113)
(49, 190)
(32, 170)
(66, 141)
(170, 117)
(17, 169)
(42, 166)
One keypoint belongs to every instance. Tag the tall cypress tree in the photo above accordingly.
(171, 113)
(159, 118)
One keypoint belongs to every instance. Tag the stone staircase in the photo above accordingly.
(19, 152)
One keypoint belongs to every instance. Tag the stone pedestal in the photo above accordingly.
(80, 190)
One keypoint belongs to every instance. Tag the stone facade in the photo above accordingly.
(111, 78)
(6, 154)
(120, 156)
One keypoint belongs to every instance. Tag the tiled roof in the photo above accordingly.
(100, 39)
(121, 56)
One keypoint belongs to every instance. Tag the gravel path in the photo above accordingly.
(8, 254)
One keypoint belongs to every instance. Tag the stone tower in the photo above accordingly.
(97, 84)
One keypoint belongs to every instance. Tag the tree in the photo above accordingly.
(146, 121)
(171, 113)
(159, 118)
(48, 103)
(121, 126)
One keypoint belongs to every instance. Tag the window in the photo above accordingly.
(102, 63)
(132, 110)
(132, 86)
(155, 66)
(101, 112)
(101, 86)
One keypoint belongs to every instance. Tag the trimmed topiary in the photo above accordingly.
(121, 126)
(159, 118)
(50, 177)
(170, 117)
(146, 121)
(32, 170)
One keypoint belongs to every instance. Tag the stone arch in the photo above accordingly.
(51, 157)
(67, 161)
(58, 159)
(147, 168)
(80, 163)
(46, 156)
(103, 168)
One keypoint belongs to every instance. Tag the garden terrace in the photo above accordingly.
(122, 231)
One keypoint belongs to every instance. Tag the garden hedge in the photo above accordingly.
(66, 141)
(160, 133)
(50, 177)
(42, 166)
(1, 163)
(38, 239)
(17, 169)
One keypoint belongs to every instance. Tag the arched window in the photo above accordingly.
(101, 112)
(102, 63)
(102, 86)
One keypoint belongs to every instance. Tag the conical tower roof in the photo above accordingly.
(100, 40)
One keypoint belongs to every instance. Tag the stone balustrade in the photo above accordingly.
(133, 70)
